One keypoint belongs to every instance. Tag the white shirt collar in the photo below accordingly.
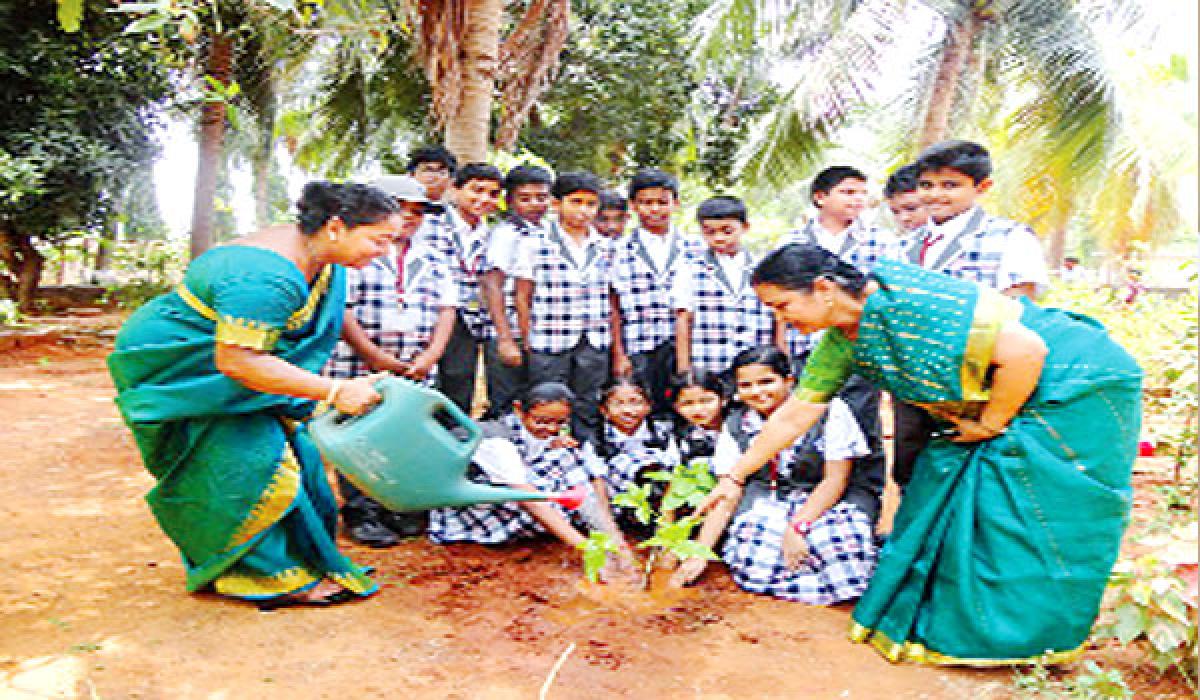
(952, 227)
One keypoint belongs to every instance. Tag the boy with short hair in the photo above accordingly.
(962, 240)
(904, 200)
(434, 167)
(564, 312)
(717, 312)
(839, 194)
(613, 216)
(399, 314)
(462, 237)
(646, 265)
(527, 193)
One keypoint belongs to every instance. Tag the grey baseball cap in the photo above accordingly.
(403, 187)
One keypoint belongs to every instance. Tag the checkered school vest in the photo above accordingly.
(449, 235)
(644, 291)
(523, 229)
(402, 326)
(727, 316)
(570, 301)
(974, 255)
(802, 466)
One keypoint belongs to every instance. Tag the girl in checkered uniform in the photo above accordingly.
(829, 554)
(629, 443)
(699, 400)
(526, 449)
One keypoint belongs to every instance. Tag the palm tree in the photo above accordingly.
(837, 52)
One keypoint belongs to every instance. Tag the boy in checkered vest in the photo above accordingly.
(400, 311)
(647, 262)
(717, 312)
(564, 313)
(462, 237)
(839, 194)
(964, 241)
(527, 193)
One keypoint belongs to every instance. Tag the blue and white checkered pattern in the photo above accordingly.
(644, 292)
(975, 255)
(492, 523)
(402, 327)
(464, 248)
(862, 247)
(569, 301)
(841, 543)
(724, 321)
(631, 457)
(512, 231)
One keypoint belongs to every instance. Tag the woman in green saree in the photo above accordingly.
(214, 380)
(1009, 529)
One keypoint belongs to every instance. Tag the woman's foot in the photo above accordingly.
(326, 592)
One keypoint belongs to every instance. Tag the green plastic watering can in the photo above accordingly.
(405, 452)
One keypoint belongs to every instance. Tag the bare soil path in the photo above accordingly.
(92, 602)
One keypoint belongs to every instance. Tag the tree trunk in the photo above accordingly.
(961, 37)
(263, 153)
(467, 130)
(212, 137)
(1057, 247)
(24, 264)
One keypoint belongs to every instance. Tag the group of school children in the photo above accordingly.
(608, 353)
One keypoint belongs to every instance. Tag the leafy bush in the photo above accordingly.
(1150, 604)
(1093, 684)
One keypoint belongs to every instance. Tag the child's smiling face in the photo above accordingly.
(699, 406)
(762, 388)
(626, 408)
(544, 420)
(947, 193)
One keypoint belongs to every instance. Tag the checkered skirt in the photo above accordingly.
(841, 559)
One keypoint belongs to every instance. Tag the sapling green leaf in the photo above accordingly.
(596, 549)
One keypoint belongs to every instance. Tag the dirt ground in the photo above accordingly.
(92, 602)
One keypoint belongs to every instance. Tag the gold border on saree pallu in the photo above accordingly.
(992, 311)
(275, 501)
(896, 652)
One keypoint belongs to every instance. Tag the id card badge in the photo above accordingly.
(395, 318)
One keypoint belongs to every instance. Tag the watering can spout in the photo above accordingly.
(467, 492)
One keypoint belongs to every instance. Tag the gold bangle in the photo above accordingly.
(334, 387)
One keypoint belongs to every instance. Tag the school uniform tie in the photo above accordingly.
(929, 242)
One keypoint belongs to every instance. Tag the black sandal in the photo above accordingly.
(291, 600)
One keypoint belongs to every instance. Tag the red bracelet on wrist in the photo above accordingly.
(802, 527)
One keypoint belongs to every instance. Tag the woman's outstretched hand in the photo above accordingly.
(357, 396)
(726, 491)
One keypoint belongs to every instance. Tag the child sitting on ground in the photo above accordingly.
(527, 449)
(699, 400)
(802, 530)
(629, 443)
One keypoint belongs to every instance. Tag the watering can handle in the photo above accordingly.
(474, 433)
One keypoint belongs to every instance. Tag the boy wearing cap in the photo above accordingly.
(400, 311)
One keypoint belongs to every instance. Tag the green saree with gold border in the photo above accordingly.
(240, 490)
(1001, 549)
